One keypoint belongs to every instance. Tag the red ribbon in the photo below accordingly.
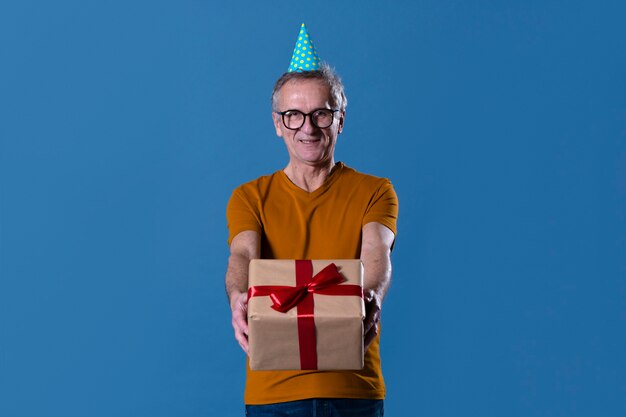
(284, 298)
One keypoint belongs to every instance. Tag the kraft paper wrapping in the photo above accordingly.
(273, 336)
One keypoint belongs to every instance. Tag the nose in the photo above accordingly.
(308, 126)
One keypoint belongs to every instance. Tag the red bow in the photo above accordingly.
(285, 298)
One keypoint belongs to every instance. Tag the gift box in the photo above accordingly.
(305, 314)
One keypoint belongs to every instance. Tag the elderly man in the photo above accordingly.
(315, 208)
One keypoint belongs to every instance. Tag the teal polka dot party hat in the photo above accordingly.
(304, 56)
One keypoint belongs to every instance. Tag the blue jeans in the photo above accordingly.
(319, 407)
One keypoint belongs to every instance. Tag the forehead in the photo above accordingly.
(315, 93)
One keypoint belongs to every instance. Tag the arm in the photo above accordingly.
(376, 257)
(244, 247)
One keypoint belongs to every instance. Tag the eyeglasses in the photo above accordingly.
(321, 118)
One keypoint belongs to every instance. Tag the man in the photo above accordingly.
(314, 208)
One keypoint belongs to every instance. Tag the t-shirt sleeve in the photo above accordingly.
(383, 207)
(241, 215)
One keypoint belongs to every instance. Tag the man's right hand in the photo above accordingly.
(239, 308)
(245, 246)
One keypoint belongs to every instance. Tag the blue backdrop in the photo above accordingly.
(124, 126)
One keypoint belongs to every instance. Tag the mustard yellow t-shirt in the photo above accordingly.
(323, 224)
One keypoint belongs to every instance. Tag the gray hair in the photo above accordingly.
(326, 74)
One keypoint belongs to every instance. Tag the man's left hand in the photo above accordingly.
(373, 306)
(375, 255)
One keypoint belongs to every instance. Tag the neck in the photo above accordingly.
(308, 177)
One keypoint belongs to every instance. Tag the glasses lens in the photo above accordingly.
(293, 119)
(322, 118)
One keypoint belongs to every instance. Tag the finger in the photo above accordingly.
(240, 323)
(240, 317)
(243, 342)
(240, 326)
(372, 317)
(370, 324)
(370, 336)
(376, 316)
(367, 324)
(241, 332)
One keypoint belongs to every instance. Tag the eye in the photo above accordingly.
(323, 117)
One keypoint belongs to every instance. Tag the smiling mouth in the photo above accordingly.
(307, 141)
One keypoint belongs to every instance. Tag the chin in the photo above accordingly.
(315, 160)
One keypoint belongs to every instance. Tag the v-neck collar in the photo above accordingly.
(332, 177)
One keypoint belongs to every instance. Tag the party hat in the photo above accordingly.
(304, 56)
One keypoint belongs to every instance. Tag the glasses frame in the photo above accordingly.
(310, 115)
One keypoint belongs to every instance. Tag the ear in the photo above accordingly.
(342, 117)
(278, 124)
